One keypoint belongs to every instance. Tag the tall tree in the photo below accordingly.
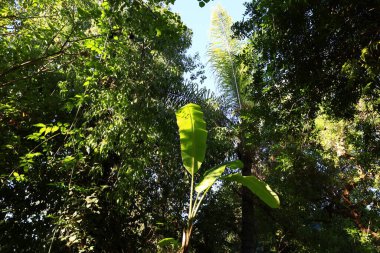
(233, 79)
(314, 90)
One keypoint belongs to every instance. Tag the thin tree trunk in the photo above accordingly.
(186, 239)
(248, 232)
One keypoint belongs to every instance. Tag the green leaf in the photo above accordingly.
(168, 241)
(39, 125)
(68, 159)
(193, 135)
(211, 175)
(258, 187)
(48, 130)
(54, 129)
(8, 146)
(202, 4)
(158, 32)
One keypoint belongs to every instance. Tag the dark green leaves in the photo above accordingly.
(202, 3)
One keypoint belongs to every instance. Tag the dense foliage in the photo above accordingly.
(314, 120)
(90, 157)
(89, 150)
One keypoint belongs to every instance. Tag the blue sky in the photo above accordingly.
(198, 20)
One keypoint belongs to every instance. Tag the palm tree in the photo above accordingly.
(232, 77)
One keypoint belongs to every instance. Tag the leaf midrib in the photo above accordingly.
(193, 141)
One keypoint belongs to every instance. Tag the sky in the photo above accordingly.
(198, 20)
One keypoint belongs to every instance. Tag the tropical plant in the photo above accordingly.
(233, 79)
(222, 51)
(193, 135)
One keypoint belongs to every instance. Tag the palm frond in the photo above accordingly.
(222, 51)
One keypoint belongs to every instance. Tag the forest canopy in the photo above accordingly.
(90, 154)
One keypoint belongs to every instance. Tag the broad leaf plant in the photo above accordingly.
(193, 136)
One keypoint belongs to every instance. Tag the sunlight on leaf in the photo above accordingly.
(211, 175)
(193, 135)
(258, 187)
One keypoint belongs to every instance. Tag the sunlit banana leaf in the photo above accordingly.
(258, 187)
(211, 175)
(193, 135)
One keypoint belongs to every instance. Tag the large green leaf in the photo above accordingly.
(211, 175)
(258, 187)
(193, 135)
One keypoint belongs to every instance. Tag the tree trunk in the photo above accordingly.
(248, 231)
(186, 239)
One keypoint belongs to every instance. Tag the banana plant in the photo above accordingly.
(193, 135)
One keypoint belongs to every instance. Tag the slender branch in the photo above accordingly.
(53, 55)
(41, 70)
(8, 34)
(87, 38)
(20, 17)
(47, 139)
(14, 68)
(52, 239)
(52, 39)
